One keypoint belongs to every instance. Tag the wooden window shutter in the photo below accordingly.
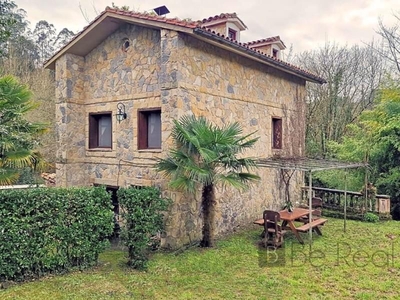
(142, 130)
(93, 132)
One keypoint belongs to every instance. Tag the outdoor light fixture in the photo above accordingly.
(121, 114)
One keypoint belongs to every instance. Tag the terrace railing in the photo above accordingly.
(356, 202)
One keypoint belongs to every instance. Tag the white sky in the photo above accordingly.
(305, 24)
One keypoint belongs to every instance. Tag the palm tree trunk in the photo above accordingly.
(209, 206)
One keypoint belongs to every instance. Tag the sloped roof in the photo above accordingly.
(265, 41)
(111, 19)
(222, 17)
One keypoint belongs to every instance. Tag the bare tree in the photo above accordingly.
(391, 38)
(353, 75)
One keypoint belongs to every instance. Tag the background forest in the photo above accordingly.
(355, 116)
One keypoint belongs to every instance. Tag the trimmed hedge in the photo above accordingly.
(141, 210)
(51, 230)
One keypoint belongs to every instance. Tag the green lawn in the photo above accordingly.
(363, 263)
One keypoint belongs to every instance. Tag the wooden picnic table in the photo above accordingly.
(288, 219)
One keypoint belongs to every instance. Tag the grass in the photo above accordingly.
(363, 263)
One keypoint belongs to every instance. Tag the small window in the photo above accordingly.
(100, 131)
(149, 129)
(275, 53)
(277, 133)
(232, 34)
(125, 44)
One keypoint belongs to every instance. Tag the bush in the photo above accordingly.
(141, 211)
(28, 176)
(370, 217)
(396, 212)
(50, 230)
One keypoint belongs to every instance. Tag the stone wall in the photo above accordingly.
(225, 88)
(97, 83)
(180, 75)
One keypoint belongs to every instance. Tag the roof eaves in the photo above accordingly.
(222, 17)
(51, 60)
(277, 63)
(271, 40)
(156, 21)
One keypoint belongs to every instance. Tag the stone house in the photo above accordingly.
(148, 70)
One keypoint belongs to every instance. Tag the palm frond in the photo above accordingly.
(183, 184)
(167, 166)
(8, 176)
(232, 180)
(18, 159)
(244, 142)
(239, 180)
(206, 154)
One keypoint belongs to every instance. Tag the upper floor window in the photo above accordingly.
(232, 33)
(100, 130)
(276, 133)
(149, 129)
(275, 53)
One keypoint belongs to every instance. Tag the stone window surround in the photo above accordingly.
(276, 133)
(101, 152)
(142, 127)
(93, 134)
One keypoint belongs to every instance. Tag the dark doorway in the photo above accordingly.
(115, 203)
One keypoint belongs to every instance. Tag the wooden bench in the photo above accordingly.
(314, 225)
(259, 222)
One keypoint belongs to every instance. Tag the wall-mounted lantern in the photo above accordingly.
(121, 114)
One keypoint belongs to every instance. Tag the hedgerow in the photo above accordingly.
(51, 230)
(141, 211)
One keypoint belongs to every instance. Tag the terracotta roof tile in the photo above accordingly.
(147, 16)
(200, 26)
(219, 17)
(266, 40)
(279, 62)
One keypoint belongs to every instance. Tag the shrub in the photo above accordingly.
(396, 212)
(29, 176)
(370, 217)
(141, 210)
(50, 230)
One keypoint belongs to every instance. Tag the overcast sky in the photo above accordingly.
(305, 24)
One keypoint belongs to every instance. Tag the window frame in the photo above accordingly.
(232, 32)
(93, 132)
(276, 133)
(142, 128)
(275, 52)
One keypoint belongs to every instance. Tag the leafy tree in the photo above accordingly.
(18, 137)
(375, 139)
(206, 155)
(63, 37)
(45, 37)
(7, 21)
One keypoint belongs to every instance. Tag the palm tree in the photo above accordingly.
(18, 137)
(206, 155)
